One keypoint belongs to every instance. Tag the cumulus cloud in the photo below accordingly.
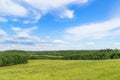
(45, 5)
(35, 9)
(94, 30)
(10, 7)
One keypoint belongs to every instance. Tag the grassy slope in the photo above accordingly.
(63, 70)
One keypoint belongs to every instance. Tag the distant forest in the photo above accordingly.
(76, 54)
(12, 57)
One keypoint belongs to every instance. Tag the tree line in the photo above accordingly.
(77, 54)
(12, 57)
(8, 58)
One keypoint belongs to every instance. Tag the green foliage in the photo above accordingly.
(12, 57)
(76, 54)
(8, 58)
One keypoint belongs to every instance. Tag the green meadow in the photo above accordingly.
(63, 70)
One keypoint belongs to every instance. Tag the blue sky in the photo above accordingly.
(59, 24)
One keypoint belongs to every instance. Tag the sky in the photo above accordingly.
(37, 25)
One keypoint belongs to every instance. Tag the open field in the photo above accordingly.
(63, 70)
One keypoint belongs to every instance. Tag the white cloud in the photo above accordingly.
(3, 19)
(16, 29)
(67, 14)
(10, 7)
(23, 33)
(27, 30)
(35, 9)
(45, 6)
(26, 34)
(93, 30)
(2, 33)
(7, 39)
(58, 41)
(36, 17)
(23, 37)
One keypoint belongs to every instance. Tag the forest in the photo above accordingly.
(76, 54)
(12, 57)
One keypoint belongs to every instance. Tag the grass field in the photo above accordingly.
(63, 70)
